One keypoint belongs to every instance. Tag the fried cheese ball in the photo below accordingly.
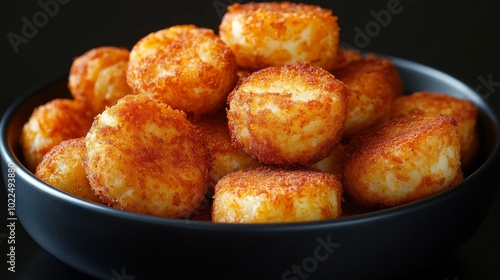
(288, 115)
(270, 195)
(188, 67)
(143, 156)
(225, 157)
(373, 84)
(62, 168)
(98, 77)
(276, 33)
(51, 123)
(402, 160)
(430, 103)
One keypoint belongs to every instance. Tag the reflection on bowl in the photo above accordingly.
(104, 242)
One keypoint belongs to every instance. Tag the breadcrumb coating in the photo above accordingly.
(288, 115)
(188, 67)
(402, 160)
(98, 77)
(145, 157)
(226, 158)
(270, 195)
(51, 123)
(62, 168)
(430, 103)
(373, 84)
(269, 120)
(275, 33)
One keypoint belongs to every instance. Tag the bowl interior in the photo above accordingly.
(415, 76)
(366, 246)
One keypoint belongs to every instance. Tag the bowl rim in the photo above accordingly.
(9, 156)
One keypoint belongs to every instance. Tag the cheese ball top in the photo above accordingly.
(288, 115)
(275, 33)
(143, 156)
(188, 67)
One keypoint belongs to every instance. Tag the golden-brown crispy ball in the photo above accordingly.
(270, 195)
(143, 156)
(110, 85)
(62, 168)
(188, 67)
(50, 124)
(98, 77)
(225, 157)
(402, 160)
(270, 34)
(373, 86)
(390, 72)
(333, 162)
(430, 103)
(288, 115)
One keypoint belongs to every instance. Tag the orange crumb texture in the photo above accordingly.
(264, 120)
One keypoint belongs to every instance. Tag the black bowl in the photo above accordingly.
(104, 242)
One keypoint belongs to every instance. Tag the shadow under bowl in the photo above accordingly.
(102, 241)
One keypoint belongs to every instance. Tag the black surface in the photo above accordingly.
(459, 38)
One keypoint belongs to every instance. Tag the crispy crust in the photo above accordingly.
(270, 195)
(373, 84)
(62, 168)
(269, 34)
(270, 115)
(290, 115)
(145, 157)
(188, 67)
(97, 77)
(430, 103)
(402, 160)
(226, 158)
(50, 124)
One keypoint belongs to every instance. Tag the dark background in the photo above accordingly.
(460, 38)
